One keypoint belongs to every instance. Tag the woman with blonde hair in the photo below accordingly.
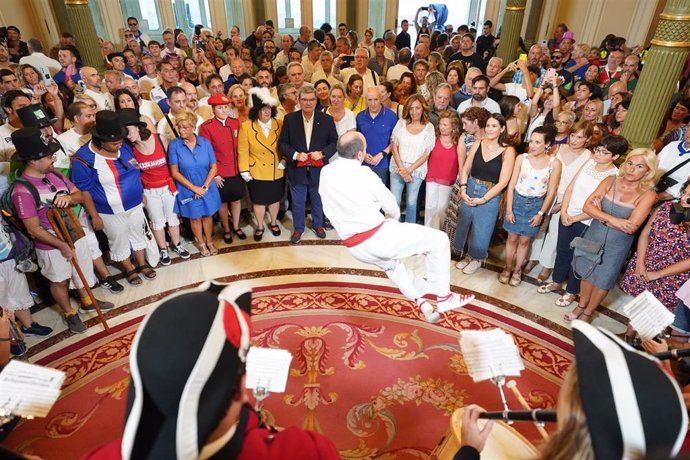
(444, 163)
(618, 206)
(593, 111)
(368, 41)
(240, 109)
(436, 63)
(343, 117)
(204, 69)
(193, 166)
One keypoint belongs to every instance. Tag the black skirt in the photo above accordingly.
(232, 189)
(266, 192)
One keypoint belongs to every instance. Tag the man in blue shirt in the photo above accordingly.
(376, 123)
(67, 56)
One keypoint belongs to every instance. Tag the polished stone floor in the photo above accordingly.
(276, 261)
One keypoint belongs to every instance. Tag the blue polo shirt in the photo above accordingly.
(377, 131)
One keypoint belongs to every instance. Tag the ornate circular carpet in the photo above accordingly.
(367, 371)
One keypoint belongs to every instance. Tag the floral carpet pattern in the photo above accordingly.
(367, 371)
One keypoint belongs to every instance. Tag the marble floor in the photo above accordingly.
(276, 261)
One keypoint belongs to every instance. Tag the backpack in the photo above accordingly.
(24, 248)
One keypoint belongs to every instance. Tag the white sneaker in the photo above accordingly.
(453, 301)
(463, 263)
(428, 310)
(472, 267)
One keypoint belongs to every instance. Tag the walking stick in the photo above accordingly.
(62, 231)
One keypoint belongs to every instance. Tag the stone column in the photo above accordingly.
(510, 30)
(85, 32)
(665, 62)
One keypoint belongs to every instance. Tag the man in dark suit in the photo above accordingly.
(308, 140)
(403, 38)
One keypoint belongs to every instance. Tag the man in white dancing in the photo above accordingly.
(353, 197)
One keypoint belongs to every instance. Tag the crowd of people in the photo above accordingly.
(180, 133)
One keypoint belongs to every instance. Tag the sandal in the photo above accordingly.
(572, 316)
(227, 238)
(516, 279)
(504, 277)
(275, 229)
(203, 249)
(212, 249)
(550, 287)
(587, 318)
(566, 299)
(133, 277)
(148, 272)
(239, 234)
(258, 234)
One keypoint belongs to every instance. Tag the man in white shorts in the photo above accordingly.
(380, 239)
(54, 255)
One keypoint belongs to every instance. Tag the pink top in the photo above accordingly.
(443, 164)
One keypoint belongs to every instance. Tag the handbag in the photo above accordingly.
(588, 249)
(153, 255)
(665, 181)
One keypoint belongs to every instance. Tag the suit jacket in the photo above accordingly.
(257, 153)
(324, 137)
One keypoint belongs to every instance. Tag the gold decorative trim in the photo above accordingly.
(675, 17)
(670, 44)
(515, 8)
(76, 2)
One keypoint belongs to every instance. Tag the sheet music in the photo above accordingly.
(648, 316)
(28, 390)
(489, 354)
(268, 368)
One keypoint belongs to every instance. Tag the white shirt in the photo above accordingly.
(71, 141)
(370, 78)
(166, 131)
(308, 128)
(412, 146)
(150, 109)
(516, 89)
(39, 60)
(584, 185)
(488, 103)
(280, 59)
(146, 83)
(351, 209)
(6, 151)
(309, 68)
(224, 72)
(321, 75)
(396, 71)
(101, 99)
(669, 157)
(265, 127)
(347, 123)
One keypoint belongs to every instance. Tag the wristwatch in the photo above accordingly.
(204, 187)
(541, 213)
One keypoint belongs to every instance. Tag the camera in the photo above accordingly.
(679, 214)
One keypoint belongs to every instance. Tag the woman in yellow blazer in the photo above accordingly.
(260, 162)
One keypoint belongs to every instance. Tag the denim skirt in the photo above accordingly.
(524, 209)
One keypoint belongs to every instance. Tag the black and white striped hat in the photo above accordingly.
(187, 360)
(632, 405)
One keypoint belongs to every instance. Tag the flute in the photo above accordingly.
(673, 354)
(537, 415)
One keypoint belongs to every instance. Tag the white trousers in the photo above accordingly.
(544, 245)
(397, 240)
(436, 203)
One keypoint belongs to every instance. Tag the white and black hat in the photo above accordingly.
(187, 360)
(632, 405)
(259, 97)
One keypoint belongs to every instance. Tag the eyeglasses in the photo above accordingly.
(601, 150)
(133, 23)
(45, 180)
(561, 122)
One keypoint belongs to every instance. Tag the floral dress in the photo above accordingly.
(668, 244)
(451, 220)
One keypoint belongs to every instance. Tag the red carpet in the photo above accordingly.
(367, 371)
